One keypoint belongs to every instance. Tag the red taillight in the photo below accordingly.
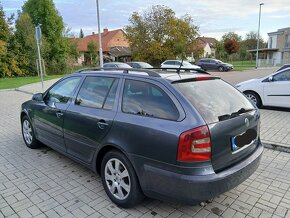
(203, 78)
(194, 145)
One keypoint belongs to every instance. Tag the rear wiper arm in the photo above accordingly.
(234, 114)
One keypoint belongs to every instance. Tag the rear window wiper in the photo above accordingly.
(234, 114)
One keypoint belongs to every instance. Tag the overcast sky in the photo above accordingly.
(214, 17)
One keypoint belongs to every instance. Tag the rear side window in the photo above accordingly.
(147, 99)
(213, 98)
(97, 92)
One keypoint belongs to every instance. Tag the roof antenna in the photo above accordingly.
(178, 70)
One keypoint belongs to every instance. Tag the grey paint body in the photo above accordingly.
(149, 143)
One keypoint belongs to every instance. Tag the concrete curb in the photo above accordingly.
(277, 147)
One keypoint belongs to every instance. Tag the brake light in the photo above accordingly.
(199, 78)
(194, 145)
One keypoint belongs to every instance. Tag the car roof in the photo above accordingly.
(115, 63)
(157, 74)
(138, 62)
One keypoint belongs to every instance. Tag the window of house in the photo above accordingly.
(287, 41)
(271, 42)
(147, 99)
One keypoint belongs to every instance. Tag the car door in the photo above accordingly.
(277, 90)
(213, 65)
(149, 117)
(49, 114)
(90, 116)
(206, 64)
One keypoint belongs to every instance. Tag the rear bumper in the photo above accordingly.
(170, 186)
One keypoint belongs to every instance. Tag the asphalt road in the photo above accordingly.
(234, 77)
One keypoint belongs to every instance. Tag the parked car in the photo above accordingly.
(143, 65)
(283, 67)
(116, 65)
(176, 64)
(177, 137)
(214, 64)
(272, 90)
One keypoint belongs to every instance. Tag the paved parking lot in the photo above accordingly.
(44, 183)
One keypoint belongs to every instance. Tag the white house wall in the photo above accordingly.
(207, 50)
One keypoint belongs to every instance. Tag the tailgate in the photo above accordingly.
(234, 139)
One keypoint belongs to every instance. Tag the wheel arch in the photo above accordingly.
(249, 90)
(24, 113)
(101, 153)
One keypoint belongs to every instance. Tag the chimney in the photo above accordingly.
(105, 30)
(93, 33)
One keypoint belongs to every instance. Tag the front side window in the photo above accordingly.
(169, 62)
(284, 76)
(147, 99)
(62, 91)
(97, 92)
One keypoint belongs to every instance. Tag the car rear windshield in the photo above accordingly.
(214, 99)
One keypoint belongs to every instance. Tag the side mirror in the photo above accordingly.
(270, 79)
(37, 97)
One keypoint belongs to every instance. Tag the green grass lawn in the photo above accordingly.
(15, 82)
(243, 65)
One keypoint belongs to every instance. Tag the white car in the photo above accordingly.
(175, 64)
(272, 90)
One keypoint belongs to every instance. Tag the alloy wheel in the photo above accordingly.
(27, 132)
(117, 179)
(252, 98)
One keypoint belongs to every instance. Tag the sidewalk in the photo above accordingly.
(36, 87)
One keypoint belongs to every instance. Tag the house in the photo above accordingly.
(278, 51)
(208, 45)
(115, 46)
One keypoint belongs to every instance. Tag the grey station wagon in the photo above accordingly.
(184, 137)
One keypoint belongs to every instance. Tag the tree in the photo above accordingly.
(158, 35)
(25, 44)
(93, 52)
(220, 52)
(231, 35)
(231, 42)
(250, 41)
(44, 12)
(231, 46)
(8, 62)
(82, 34)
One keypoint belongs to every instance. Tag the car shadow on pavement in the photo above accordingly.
(276, 108)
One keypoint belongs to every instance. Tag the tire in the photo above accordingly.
(254, 97)
(28, 134)
(123, 191)
(221, 69)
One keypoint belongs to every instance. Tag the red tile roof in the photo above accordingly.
(82, 43)
(209, 40)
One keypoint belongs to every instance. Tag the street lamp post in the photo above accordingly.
(100, 36)
(257, 54)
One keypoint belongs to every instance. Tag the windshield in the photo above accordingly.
(186, 63)
(215, 100)
(124, 65)
(145, 65)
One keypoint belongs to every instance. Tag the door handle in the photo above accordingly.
(102, 124)
(59, 114)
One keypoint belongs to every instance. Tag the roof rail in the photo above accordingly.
(178, 71)
(125, 70)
